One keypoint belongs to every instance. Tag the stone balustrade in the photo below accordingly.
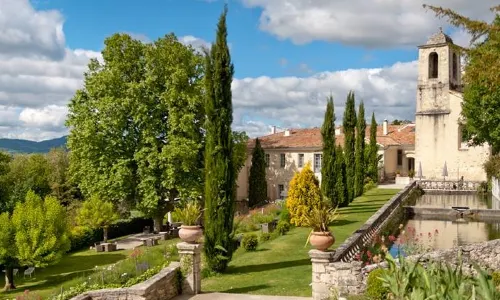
(449, 185)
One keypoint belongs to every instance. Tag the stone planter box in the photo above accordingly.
(268, 227)
(150, 242)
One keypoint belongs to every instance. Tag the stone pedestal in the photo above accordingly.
(320, 286)
(190, 259)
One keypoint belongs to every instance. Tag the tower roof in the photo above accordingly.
(439, 38)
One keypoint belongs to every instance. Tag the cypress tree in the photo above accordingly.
(328, 175)
(359, 177)
(341, 183)
(257, 184)
(349, 126)
(373, 151)
(220, 174)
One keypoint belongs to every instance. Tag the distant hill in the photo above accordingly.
(25, 146)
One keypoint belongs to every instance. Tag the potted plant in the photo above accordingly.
(411, 174)
(189, 215)
(318, 219)
(398, 173)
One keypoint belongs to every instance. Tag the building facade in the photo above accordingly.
(439, 139)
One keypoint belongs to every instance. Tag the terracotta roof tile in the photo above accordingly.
(311, 137)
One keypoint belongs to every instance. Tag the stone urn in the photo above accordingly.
(321, 240)
(190, 234)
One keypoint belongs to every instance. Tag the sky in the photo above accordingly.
(289, 55)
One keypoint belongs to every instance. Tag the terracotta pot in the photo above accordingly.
(190, 234)
(321, 240)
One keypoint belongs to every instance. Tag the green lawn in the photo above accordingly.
(66, 273)
(282, 266)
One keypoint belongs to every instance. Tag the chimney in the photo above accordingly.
(385, 126)
(287, 132)
(273, 129)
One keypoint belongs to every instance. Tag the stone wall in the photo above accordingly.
(495, 188)
(345, 278)
(162, 286)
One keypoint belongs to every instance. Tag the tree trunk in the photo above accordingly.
(105, 233)
(9, 279)
(157, 223)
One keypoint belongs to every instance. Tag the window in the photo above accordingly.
(433, 65)
(281, 189)
(282, 160)
(301, 160)
(267, 160)
(455, 66)
(317, 163)
(400, 157)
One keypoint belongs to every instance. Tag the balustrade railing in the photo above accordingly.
(449, 185)
(364, 235)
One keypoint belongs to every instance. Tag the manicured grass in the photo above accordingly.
(282, 266)
(66, 273)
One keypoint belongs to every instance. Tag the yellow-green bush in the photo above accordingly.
(304, 194)
(374, 286)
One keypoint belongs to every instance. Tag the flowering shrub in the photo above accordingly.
(28, 296)
(412, 243)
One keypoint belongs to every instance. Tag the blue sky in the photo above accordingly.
(255, 53)
(289, 55)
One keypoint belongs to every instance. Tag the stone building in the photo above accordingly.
(438, 137)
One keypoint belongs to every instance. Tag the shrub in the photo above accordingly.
(368, 186)
(375, 289)
(259, 218)
(303, 195)
(284, 214)
(496, 278)
(283, 227)
(264, 237)
(250, 242)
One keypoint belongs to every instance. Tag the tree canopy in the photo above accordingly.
(481, 103)
(136, 126)
(257, 183)
(96, 214)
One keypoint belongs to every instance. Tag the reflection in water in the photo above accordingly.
(469, 200)
(453, 233)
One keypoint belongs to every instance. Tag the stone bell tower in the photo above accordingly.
(438, 129)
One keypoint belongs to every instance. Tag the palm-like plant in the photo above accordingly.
(319, 218)
(189, 214)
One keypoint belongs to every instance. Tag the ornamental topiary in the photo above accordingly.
(283, 227)
(375, 289)
(303, 195)
(250, 242)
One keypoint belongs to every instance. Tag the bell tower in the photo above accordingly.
(439, 71)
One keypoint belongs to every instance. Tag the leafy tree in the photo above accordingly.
(136, 134)
(5, 159)
(372, 157)
(359, 176)
(220, 176)
(61, 186)
(26, 172)
(349, 125)
(341, 183)
(482, 84)
(257, 183)
(240, 139)
(328, 174)
(36, 234)
(304, 194)
(96, 214)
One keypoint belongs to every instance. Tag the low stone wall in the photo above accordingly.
(439, 213)
(163, 285)
(350, 277)
(495, 188)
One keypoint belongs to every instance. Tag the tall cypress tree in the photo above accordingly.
(359, 177)
(373, 151)
(349, 126)
(257, 184)
(220, 174)
(341, 183)
(328, 175)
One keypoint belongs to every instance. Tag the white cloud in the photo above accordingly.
(197, 43)
(51, 116)
(358, 22)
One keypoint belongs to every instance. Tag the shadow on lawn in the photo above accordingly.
(267, 267)
(246, 289)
